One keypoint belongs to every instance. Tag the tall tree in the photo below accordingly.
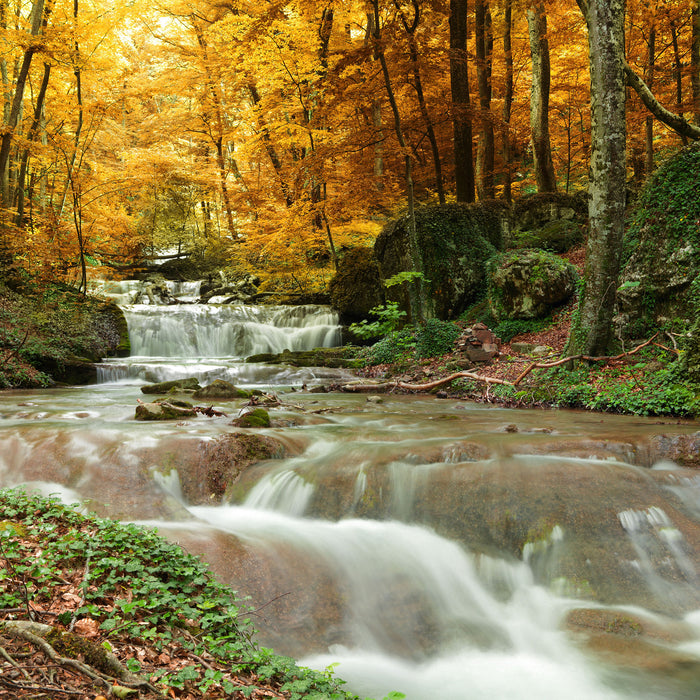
(591, 333)
(507, 98)
(695, 60)
(416, 292)
(461, 107)
(32, 46)
(485, 156)
(539, 98)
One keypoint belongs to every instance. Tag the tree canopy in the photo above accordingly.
(273, 128)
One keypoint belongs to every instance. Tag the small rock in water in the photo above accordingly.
(375, 399)
(512, 428)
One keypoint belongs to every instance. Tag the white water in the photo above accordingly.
(209, 341)
(238, 331)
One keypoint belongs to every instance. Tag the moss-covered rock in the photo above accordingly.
(690, 358)
(660, 282)
(356, 287)
(528, 283)
(112, 318)
(454, 243)
(165, 409)
(221, 390)
(346, 356)
(181, 385)
(257, 418)
(557, 236)
(535, 211)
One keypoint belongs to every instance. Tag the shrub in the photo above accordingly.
(435, 337)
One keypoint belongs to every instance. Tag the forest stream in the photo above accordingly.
(438, 548)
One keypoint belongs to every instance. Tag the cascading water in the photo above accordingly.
(416, 543)
(209, 341)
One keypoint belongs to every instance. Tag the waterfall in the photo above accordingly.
(194, 330)
(209, 341)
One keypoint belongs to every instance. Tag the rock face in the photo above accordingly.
(528, 284)
(454, 243)
(356, 287)
(661, 280)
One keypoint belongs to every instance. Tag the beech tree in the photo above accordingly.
(591, 332)
(539, 98)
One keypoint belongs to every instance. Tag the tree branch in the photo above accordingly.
(677, 122)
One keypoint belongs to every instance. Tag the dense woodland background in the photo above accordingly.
(283, 131)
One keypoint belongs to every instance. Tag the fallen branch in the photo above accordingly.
(586, 358)
(427, 386)
(359, 387)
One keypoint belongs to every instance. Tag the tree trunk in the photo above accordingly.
(461, 107)
(649, 124)
(376, 116)
(695, 61)
(592, 330)
(677, 122)
(11, 123)
(416, 292)
(484, 55)
(507, 99)
(539, 99)
(30, 137)
(677, 71)
(410, 29)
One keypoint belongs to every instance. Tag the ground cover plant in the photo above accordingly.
(90, 607)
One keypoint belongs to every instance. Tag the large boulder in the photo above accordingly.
(534, 211)
(528, 283)
(557, 236)
(356, 287)
(661, 279)
(454, 243)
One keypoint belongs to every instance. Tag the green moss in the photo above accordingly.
(257, 418)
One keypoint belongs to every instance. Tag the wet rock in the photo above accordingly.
(345, 356)
(681, 449)
(165, 409)
(183, 385)
(221, 390)
(221, 464)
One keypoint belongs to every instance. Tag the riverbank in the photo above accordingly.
(118, 612)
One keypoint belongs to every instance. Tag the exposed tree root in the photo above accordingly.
(37, 635)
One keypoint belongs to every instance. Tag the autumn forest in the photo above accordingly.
(283, 130)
